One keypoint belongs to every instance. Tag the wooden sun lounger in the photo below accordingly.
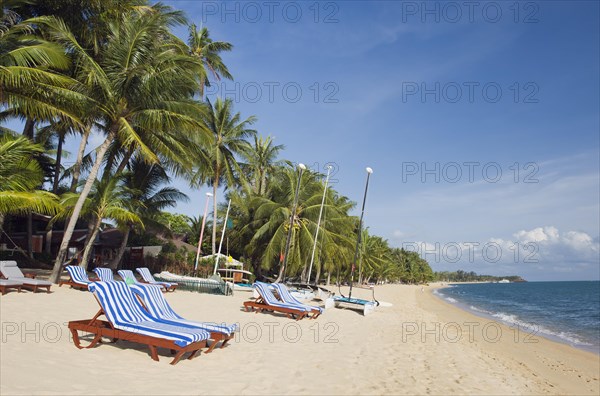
(73, 284)
(34, 286)
(101, 328)
(260, 305)
(215, 336)
(147, 278)
(164, 288)
(286, 297)
(5, 285)
(11, 271)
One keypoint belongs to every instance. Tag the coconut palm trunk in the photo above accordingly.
(87, 252)
(64, 246)
(79, 160)
(30, 234)
(115, 263)
(57, 163)
(29, 128)
(317, 275)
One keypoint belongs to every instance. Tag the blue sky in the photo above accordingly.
(481, 125)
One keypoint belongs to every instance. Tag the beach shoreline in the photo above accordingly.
(543, 357)
(486, 315)
(408, 348)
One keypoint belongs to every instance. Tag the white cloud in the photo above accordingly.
(539, 234)
(552, 241)
(539, 253)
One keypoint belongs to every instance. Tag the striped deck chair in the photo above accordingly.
(287, 297)
(148, 278)
(158, 307)
(105, 274)
(128, 277)
(78, 277)
(128, 321)
(268, 302)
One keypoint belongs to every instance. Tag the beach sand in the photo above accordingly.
(412, 347)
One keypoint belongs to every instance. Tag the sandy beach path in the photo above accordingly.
(410, 348)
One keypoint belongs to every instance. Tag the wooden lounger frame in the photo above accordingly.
(76, 285)
(164, 288)
(3, 288)
(103, 328)
(34, 288)
(25, 285)
(260, 305)
(215, 336)
(315, 313)
(314, 310)
(73, 284)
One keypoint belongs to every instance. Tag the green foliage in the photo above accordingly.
(177, 223)
(172, 259)
(21, 177)
(144, 239)
(116, 66)
(463, 276)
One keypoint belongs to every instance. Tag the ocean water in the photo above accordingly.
(567, 312)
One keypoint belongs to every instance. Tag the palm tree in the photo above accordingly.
(374, 257)
(335, 252)
(109, 199)
(20, 176)
(143, 84)
(261, 162)
(146, 198)
(207, 51)
(196, 226)
(30, 87)
(272, 219)
(217, 163)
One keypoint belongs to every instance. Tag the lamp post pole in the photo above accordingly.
(208, 195)
(358, 239)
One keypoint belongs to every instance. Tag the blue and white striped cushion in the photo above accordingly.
(290, 299)
(147, 276)
(125, 313)
(105, 274)
(127, 274)
(270, 299)
(159, 308)
(78, 274)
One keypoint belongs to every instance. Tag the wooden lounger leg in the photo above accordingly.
(78, 343)
(178, 357)
(193, 354)
(153, 353)
(212, 346)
